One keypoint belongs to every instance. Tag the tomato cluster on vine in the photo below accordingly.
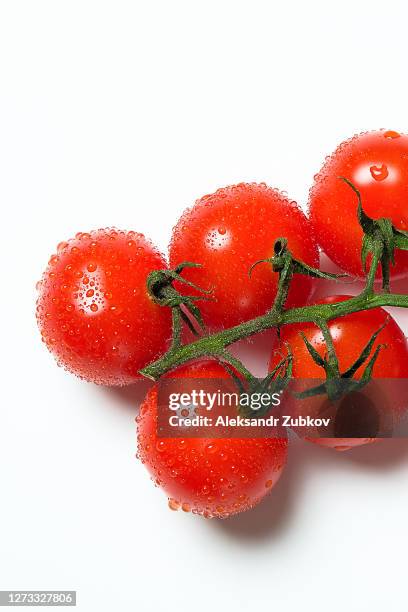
(100, 321)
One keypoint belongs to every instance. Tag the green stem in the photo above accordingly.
(319, 314)
(226, 357)
(332, 364)
(176, 324)
(377, 253)
(215, 344)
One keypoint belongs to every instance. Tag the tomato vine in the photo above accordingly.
(381, 239)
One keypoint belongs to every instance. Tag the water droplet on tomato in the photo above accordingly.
(91, 267)
(379, 173)
(391, 134)
(211, 448)
(62, 245)
(94, 307)
(174, 504)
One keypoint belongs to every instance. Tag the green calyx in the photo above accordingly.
(381, 239)
(286, 266)
(338, 384)
(275, 382)
(161, 290)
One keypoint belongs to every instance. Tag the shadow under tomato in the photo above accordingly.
(129, 397)
(382, 455)
(274, 514)
(277, 512)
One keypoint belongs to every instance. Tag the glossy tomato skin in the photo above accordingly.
(350, 335)
(212, 477)
(228, 231)
(93, 310)
(377, 164)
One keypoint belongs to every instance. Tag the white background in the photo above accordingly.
(122, 113)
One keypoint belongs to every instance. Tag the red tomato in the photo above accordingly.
(350, 335)
(229, 231)
(377, 164)
(93, 310)
(213, 477)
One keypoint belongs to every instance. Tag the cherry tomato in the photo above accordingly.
(377, 164)
(226, 233)
(93, 310)
(350, 335)
(213, 477)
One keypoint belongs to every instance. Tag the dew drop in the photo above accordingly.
(379, 173)
(174, 504)
(391, 134)
(211, 448)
